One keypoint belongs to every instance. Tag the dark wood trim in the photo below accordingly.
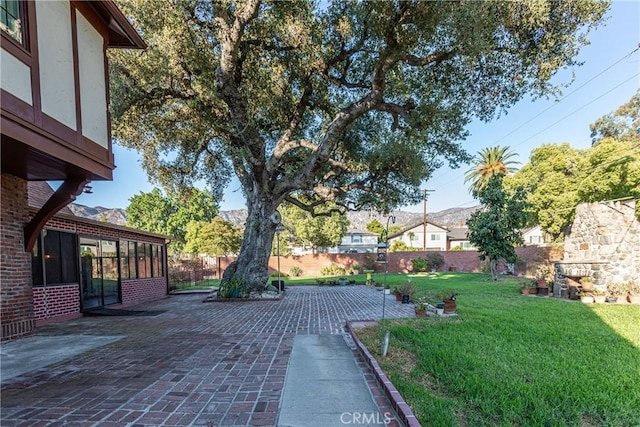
(54, 127)
(33, 136)
(64, 195)
(90, 14)
(16, 106)
(108, 95)
(76, 74)
(35, 64)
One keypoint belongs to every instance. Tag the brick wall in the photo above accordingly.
(400, 262)
(16, 307)
(142, 290)
(56, 302)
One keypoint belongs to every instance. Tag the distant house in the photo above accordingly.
(458, 239)
(357, 241)
(534, 236)
(414, 236)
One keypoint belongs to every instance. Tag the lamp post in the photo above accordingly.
(385, 245)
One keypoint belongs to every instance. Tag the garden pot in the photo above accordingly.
(387, 291)
(406, 299)
(600, 299)
(586, 300)
(612, 300)
(421, 313)
(342, 282)
(398, 297)
(525, 291)
(633, 299)
(450, 306)
(439, 311)
(533, 290)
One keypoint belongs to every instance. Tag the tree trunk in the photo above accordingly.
(493, 264)
(252, 265)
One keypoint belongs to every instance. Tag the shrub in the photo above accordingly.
(332, 270)
(234, 288)
(420, 265)
(435, 261)
(295, 271)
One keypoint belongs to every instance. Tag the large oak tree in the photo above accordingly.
(352, 102)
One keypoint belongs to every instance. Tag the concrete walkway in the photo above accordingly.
(325, 387)
(195, 364)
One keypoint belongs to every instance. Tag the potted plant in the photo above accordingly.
(342, 281)
(407, 292)
(586, 283)
(545, 276)
(449, 300)
(420, 308)
(599, 295)
(633, 288)
(616, 291)
(586, 297)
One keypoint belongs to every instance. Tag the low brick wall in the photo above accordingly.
(400, 262)
(53, 302)
(143, 290)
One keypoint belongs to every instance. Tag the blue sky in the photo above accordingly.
(599, 88)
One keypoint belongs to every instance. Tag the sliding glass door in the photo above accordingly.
(99, 272)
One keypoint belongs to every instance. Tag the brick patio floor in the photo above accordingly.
(202, 364)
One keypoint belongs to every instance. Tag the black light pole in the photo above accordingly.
(279, 229)
(385, 334)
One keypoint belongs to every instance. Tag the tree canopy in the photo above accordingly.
(623, 124)
(158, 213)
(315, 231)
(497, 228)
(355, 103)
(558, 177)
(216, 238)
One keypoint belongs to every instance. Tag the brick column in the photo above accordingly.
(16, 295)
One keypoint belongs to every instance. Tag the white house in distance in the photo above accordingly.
(357, 241)
(459, 239)
(413, 236)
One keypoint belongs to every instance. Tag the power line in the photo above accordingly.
(554, 123)
(561, 99)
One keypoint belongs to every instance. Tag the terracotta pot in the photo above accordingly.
(525, 291)
(421, 313)
(533, 290)
(633, 299)
(450, 306)
(398, 297)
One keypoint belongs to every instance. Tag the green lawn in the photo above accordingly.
(508, 359)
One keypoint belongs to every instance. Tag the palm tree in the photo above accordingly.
(487, 163)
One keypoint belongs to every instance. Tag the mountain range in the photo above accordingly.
(453, 217)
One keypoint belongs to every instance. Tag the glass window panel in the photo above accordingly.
(69, 258)
(51, 251)
(124, 259)
(133, 260)
(11, 18)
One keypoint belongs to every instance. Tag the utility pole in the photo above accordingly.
(424, 219)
